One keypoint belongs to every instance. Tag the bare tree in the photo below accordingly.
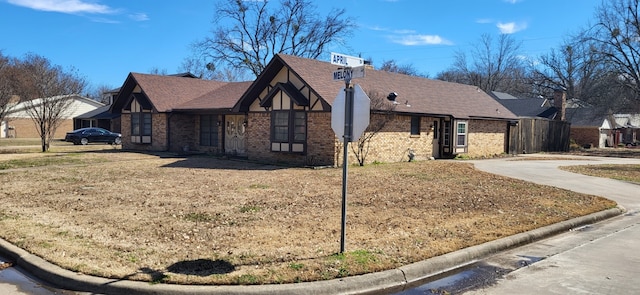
(616, 36)
(493, 66)
(407, 69)
(97, 93)
(6, 90)
(576, 68)
(44, 89)
(382, 111)
(454, 75)
(158, 71)
(258, 30)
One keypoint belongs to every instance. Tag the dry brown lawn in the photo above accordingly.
(630, 173)
(204, 220)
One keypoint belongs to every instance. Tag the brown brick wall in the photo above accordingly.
(320, 141)
(125, 130)
(158, 133)
(585, 135)
(486, 138)
(183, 133)
(26, 128)
(393, 142)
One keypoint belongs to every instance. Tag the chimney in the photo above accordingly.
(560, 102)
(368, 65)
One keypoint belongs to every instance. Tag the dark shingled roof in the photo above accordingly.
(224, 97)
(165, 92)
(424, 96)
(526, 107)
(585, 117)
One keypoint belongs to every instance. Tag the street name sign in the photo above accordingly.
(348, 73)
(344, 60)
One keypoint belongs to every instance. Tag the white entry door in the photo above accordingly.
(235, 141)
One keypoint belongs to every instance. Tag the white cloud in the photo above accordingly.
(404, 32)
(484, 21)
(512, 1)
(410, 37)
(104, 20)
(414, 40)
(510, 28)
(139, 17)
(64, 6)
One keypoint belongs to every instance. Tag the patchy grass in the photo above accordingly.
(49, 160)
(609, 152)
(33, 146)
(202, 220)
(630, 173)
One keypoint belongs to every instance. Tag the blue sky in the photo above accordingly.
(105, 40)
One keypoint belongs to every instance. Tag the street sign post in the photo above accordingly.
(344, 119)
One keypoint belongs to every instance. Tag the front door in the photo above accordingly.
(445, 138)
(234, 140)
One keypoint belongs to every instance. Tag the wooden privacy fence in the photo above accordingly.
(538, 135)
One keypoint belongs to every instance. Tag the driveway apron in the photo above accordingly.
(599, 259)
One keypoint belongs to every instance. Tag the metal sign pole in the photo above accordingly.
(348, 130)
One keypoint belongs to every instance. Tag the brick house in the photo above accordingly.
(19, 123)
(176, 113)
(284, 116)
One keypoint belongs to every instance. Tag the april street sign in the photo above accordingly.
(348, 73)
(340, 59)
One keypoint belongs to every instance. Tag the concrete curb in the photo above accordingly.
(385, 282)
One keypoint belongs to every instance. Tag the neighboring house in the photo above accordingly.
(591, 128)
(541, 124)
(101, 117)
(18, 123)
(527, 107)
(627, 129)
(284, 116)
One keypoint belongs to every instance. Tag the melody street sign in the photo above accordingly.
(348, 73)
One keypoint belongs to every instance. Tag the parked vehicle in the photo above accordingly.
(84, 136)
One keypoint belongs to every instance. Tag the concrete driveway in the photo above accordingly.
(602, 258)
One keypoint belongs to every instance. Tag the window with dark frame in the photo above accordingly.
(209, 130)
(280, 131)
(300, 127)
(289, 127)
(415, 125)
(140, 123)
(135, 124)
